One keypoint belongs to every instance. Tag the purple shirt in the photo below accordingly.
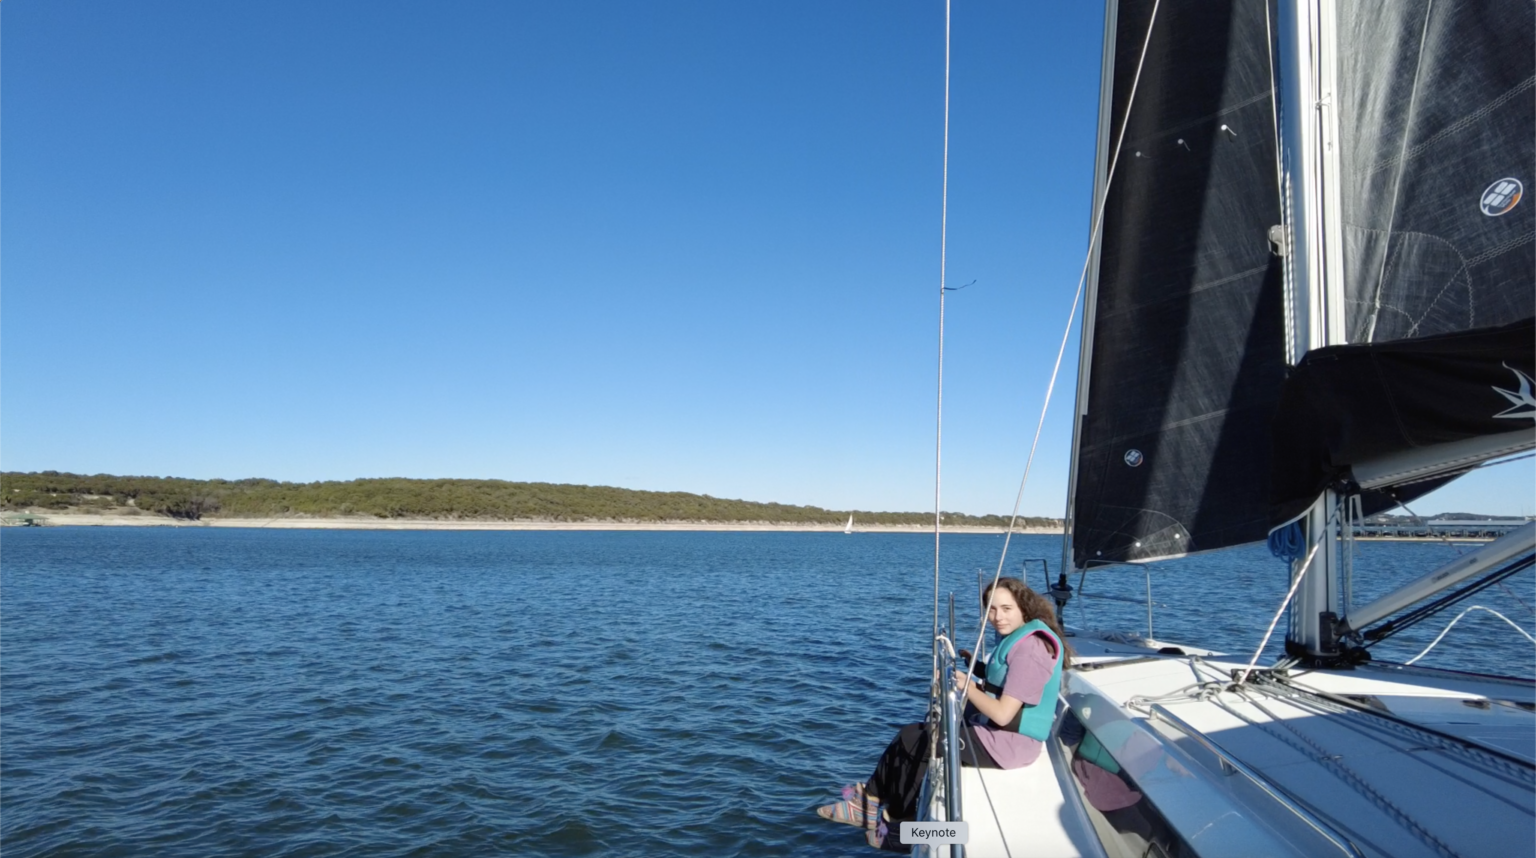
(1105, 791)
(1029, 668)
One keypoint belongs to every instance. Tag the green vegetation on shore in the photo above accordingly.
(443, 500)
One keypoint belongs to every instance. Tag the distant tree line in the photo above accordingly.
(446, 500)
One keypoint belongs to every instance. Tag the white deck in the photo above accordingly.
(1034, 812)
(1388, 788)
(1022, 813)
(1328, 776)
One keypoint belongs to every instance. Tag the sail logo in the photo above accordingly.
(1134, 458)
(1501, 196)
(1523, 403)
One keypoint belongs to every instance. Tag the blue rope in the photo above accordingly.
(1288, 543)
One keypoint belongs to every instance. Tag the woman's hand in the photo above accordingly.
(963, 680)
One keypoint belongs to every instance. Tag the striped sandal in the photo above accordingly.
(854, 809)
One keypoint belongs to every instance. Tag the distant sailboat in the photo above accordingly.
(848, 528)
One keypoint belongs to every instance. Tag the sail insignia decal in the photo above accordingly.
(1134, 458)
(1524, 401)
(1501, 196)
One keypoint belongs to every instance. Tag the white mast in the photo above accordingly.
(1309, 158)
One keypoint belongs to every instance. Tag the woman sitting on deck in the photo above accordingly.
(1007, 718)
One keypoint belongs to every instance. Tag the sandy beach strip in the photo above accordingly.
(55, 519)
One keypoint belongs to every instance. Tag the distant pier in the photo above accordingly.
(1437, 528)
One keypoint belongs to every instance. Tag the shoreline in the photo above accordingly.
(68, 519)
(86, 519)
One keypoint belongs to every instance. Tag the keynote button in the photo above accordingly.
(913, 833)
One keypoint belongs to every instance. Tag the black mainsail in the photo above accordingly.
(1353, 404)
(1184, 338)
(1437, 143)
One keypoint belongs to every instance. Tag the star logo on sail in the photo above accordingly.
(1501, 196)
(1524, 403)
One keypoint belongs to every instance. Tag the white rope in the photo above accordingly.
(1271, 630)
(1512, 624)
(1082, 278)
(1197, 691)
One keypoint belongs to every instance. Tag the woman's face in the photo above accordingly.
(1005, 615)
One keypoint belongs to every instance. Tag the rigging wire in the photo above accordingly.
(940, 683)
(1511, 594)
(938, 441)
(1098, 221)
(1082, 279)
(1082, 578)
(1307, 564)
(1422, 523)
(1443, 538)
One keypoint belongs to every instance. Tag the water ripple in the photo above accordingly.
(196, 692)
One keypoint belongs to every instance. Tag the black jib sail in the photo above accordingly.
(1184, 328)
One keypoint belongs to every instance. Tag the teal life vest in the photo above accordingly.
(1033, 720)
(1092, 750)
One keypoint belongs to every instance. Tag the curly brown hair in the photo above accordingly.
(1034, 607)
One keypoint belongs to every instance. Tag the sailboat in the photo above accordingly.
(848, 528)
(1309, 300)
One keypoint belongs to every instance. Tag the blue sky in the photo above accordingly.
(671, 245)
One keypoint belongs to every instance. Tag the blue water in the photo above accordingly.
(193, 692)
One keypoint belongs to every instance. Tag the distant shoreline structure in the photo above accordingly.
(87, 519)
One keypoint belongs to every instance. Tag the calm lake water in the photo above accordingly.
(194, 692)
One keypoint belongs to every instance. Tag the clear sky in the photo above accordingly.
(674, 245)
